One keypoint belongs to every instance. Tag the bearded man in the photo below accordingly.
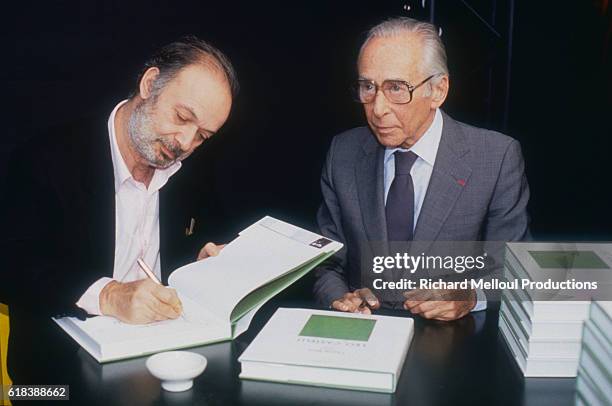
(88, 201)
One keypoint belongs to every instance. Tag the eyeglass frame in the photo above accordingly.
(411, 88)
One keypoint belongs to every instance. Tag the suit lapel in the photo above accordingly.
(172, 225)
(100, 196)
(177, 246)
(450, 174)
(369, 175)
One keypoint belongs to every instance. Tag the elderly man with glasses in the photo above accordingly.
(413, 174)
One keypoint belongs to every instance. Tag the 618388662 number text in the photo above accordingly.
(36, 392)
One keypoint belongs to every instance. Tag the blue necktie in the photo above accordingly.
(400, 199)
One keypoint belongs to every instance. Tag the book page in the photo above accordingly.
(262, 253)
(116, 339)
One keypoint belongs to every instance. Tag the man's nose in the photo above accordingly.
(381, 104)
(186, 137)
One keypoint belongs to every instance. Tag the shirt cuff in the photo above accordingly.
(90, 301)
(481, 301)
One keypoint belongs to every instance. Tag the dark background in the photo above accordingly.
(536, 70)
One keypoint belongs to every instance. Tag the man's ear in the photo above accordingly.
(146, 83)
(439, 92)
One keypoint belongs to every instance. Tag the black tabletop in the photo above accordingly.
(465, 362)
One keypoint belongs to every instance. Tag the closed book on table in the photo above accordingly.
(549, 329)
(601, 316)
(333, 349)
(594, 381)
(534, 366)
(562, 276)
(540, 346)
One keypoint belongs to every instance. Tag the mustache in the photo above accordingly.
(173, 147)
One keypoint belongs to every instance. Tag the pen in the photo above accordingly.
(145, 268)
(143, 265)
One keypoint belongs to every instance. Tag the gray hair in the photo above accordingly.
(434, 52)
(171, 58)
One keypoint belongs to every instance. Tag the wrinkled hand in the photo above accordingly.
(210, 250)
(354, 302)
(139, 302)
(440, 304)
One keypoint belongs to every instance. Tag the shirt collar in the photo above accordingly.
(427, 146)
(121, 171)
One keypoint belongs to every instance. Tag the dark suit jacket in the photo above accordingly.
(59, 225)
(478, 191)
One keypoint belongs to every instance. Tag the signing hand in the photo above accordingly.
(139, 302)
(210, 250)
(440, 304)
(354, 302)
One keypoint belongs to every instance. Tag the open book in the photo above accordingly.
(220, 295)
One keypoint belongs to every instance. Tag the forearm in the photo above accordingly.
(330, 284)
(91, 300)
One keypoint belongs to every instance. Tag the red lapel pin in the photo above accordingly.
(461, 182)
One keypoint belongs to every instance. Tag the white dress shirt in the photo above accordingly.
(136, 223)
(426, 148)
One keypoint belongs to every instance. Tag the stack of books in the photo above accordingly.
(594, 382)
(543, 328)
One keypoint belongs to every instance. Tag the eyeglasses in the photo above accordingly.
(396, 91)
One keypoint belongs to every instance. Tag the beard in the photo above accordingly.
(146, 141)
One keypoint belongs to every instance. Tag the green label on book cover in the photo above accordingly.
(568, 259)
(340, 328)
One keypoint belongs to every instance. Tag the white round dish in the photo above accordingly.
(176, 369)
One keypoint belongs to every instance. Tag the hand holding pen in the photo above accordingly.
(176, 304)
(140, 302)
